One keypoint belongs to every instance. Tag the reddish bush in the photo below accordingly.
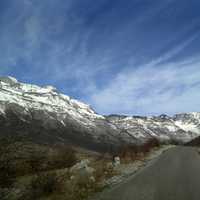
(132, 152)
(63, 157)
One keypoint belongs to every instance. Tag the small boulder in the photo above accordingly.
(116, 161)
(82, 171)
(79, 166)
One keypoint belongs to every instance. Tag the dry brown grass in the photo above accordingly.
(131, 153)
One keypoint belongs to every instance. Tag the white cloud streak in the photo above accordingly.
(155, 87)
(169, 88)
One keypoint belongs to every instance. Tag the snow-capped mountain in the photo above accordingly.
(44, 98)
(45, 114)
(49, 116)
(180, 128)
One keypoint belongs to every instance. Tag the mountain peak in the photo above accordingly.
(8, 79)
(55, 111)
(45, 98)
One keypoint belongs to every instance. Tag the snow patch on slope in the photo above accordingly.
(182, 126)
(45, 98)
(188, 127)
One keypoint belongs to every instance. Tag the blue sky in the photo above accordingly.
(127, 57)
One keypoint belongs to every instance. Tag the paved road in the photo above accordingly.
(175, 175)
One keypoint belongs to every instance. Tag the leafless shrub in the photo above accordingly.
(63, 157)
(133, 152)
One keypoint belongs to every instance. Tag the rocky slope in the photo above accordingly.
(48, 116)
(180, 128)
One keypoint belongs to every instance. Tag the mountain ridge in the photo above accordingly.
(58, 117)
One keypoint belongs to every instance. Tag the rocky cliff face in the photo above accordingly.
(180, 128)
(48, 116)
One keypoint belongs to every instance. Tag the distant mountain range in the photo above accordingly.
(48, 116)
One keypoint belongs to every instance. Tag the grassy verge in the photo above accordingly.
(31, 171)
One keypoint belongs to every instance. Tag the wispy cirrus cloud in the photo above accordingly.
(174, 87)
(105, 53)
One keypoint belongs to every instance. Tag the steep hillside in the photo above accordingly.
(181, 127)
(48, 116)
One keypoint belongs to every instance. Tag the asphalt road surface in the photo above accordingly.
(175, 175)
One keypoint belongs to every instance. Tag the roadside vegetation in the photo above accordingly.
(135, 152)
(30, 171)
